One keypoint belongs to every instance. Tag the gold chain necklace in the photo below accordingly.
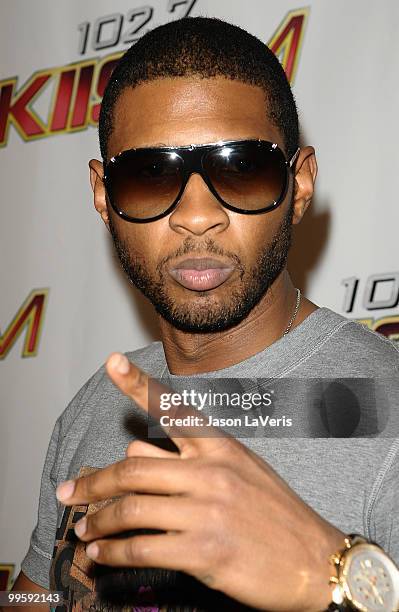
(297, 304)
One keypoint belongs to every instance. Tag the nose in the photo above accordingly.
(198, 211)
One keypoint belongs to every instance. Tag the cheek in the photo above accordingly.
(139, 240)
(252, 233)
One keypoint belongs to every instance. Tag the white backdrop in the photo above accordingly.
(64, 303)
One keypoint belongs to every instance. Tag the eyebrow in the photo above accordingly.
(163, 144)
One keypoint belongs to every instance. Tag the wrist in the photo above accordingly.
(320, 589)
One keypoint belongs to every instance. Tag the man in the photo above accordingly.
(201, 183)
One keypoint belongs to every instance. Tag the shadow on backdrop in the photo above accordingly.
(310, 238)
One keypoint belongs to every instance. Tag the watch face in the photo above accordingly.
(370, 579)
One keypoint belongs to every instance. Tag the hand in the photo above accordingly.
(229, 519)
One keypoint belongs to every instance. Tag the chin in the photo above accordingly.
(204, 315)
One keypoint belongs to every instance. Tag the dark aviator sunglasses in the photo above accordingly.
(245, 176)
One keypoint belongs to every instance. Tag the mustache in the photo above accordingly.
(188, 247)
(209, 246)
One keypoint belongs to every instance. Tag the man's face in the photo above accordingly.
(253, 248)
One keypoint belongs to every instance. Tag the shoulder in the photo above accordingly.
(347, 348)
(99, 390)
(359, 339)
(368, 352)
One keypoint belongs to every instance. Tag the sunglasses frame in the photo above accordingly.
(193, 162)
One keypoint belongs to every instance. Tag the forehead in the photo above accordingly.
(190, 110)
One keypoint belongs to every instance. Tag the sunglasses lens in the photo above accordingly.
(248, 176)
(142, 184)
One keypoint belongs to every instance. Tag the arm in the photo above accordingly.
(36, 564)
(23, 583)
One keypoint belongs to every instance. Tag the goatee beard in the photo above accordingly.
(208, 315)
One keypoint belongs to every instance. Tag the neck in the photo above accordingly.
(195, 353)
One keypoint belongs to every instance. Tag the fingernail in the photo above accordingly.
(121, 365)
(92, 551)
(65, 490)
(81, 527)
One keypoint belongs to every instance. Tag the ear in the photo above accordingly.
(98, 187)
(305, 177)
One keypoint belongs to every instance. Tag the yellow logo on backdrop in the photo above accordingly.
(29, 316)
(78, 87)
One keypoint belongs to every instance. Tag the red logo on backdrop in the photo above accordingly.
(78, 87)
(29, 317)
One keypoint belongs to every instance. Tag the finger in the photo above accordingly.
(167, 551)
(169, 513)
(189, 435)
(134, 474)
(139, 448)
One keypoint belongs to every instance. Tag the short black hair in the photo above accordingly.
(205, 47)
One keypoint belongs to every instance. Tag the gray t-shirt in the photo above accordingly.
(352, 481)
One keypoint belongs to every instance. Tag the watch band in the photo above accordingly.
(333, 607)
(335, 559)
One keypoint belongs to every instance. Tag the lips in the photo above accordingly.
(201, 274)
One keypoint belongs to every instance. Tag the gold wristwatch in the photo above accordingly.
(366, 578)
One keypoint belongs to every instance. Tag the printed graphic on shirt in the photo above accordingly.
(87, 585)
